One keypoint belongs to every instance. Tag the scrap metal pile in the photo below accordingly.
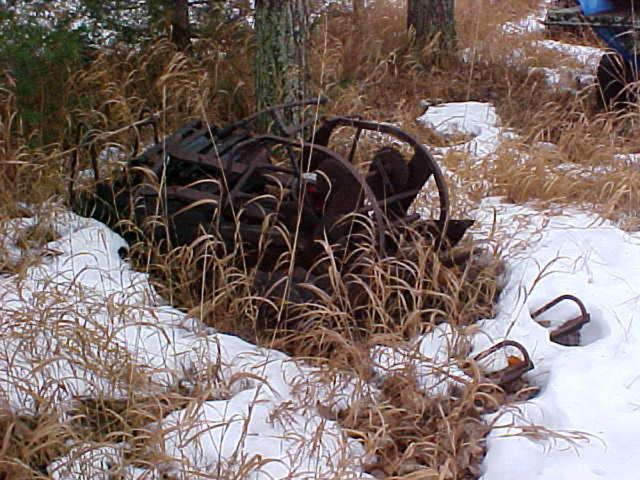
(281, 200)
(263, 189)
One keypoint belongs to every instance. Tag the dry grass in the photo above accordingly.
(412, 434)
(389, 84)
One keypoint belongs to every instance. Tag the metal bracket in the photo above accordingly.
(566, 333)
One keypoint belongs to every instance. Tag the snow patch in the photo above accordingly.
(430, 359)
(566, 78)
(587, 56)
(592, 388)
(82, 323)
(532, 23)
(476, 119)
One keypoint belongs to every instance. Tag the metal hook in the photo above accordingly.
(511, 372)
(561, 335)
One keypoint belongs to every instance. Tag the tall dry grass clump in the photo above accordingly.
(339, 311)
(23, 165)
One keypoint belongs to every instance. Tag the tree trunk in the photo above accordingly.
(281, 69)
(432, 19)
(176, 14)
(358, 10)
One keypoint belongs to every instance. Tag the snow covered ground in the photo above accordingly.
(575, 69)
(584, 421)
(589, 397)
(477, 120)
(79, 322)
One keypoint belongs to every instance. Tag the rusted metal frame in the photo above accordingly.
(384, 202)
(249, 233)
(244, 178)
(292, 176)
(188, 194)
(244, 170)
(443, 193)
(304, 125)
(158, 149)
(160, 157)
(258, 164)
(192, 197)
(202, 135)
(226, 146)
(277, 116)
(286, 180)
(512, 372)
(354, 145)
(556, 301)
(289, 132)
(252, 169)
(267, 203)
(216, 160)
(379, 218)
(573, 17)
(385, 179)
(405, 220)
(143, 122)
(172, 149)
(567, 328)
(592, 24)
(211, 160)
(295, 166)
(570, 326)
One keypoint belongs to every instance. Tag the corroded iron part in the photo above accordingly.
(421, 167)
(514, 370)
(567, 334)
(622, 20)
(231, 183)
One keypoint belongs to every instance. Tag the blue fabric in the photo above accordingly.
(591, 7)
(609, 36)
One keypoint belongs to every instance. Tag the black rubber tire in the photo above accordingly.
(614, 76)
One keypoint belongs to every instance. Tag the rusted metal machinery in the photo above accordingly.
(616, 23)
(567, 334)
(276, 192)
(516, 367)
(278, 196)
